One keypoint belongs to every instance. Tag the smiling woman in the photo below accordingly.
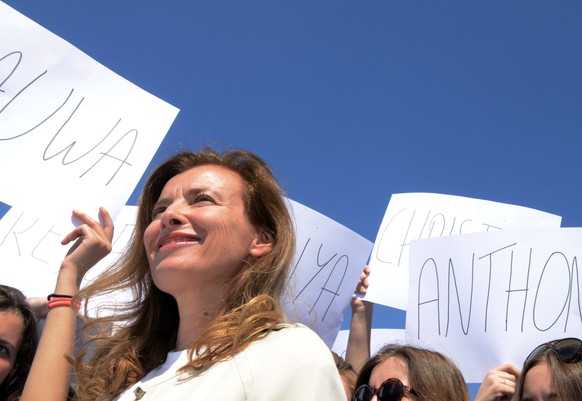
(200, 232)
(210, 256)
(18, 341)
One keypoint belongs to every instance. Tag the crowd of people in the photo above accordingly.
(208, 260)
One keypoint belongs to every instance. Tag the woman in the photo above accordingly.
(399, 372)
(553, 371)
(208, 260)
(18, 341)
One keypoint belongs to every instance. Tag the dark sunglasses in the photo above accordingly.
(567, 349)
(390, 390)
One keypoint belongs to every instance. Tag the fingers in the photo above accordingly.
(362, 286)
(90, 227)
(510, 369)
(106, 222)
(499, 383)
(93, 241)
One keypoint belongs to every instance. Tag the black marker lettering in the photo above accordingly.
(452, 274)
(433, 284)
(554, 294)
(49, 233)
(490, 256)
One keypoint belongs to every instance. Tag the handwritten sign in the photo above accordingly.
(423, 215)
(31, 250)
(328, 263)
(489, 298)
(73, 134)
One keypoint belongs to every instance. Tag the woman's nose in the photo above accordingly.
(172, 216)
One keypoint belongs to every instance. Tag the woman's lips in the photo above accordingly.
(175, 239)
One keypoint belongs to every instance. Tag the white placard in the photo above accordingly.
(31, 250)
(327, 266)
(413, 216)
(489, 298)
(73, 134)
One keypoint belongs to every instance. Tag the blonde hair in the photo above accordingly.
(148, 324)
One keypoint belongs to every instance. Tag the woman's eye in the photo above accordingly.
(3, 350)
(157, 212)
(203, 198)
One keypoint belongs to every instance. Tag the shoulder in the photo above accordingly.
(294, 345)
(292, 358)
(298, 336)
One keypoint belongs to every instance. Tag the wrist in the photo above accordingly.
(68, 280)
(56, 300)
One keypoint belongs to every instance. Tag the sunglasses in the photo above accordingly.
(568, 350)
(390, 390)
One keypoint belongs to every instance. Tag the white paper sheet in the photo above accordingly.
(326, 270)
(489, 298)
(73, 134)
(31, 250)
(413, 216)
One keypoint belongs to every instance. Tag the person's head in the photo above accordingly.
(347, 374)
(216, 222)
(410, 373)
(238, 225)
(553, 371)
(18, 341)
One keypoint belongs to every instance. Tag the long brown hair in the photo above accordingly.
(146, 327)
(433, 376)
(14, 301)
(566, 376)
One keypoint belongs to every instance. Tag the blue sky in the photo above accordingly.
(353, 101)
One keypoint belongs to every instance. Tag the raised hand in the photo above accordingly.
(92, 243)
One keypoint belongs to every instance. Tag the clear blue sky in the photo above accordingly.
(353, 101)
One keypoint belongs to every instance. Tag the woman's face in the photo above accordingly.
(537, 385)
(11, 332)
(391, 368)
(200, 232)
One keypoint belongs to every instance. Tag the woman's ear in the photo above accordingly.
(262, 244)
